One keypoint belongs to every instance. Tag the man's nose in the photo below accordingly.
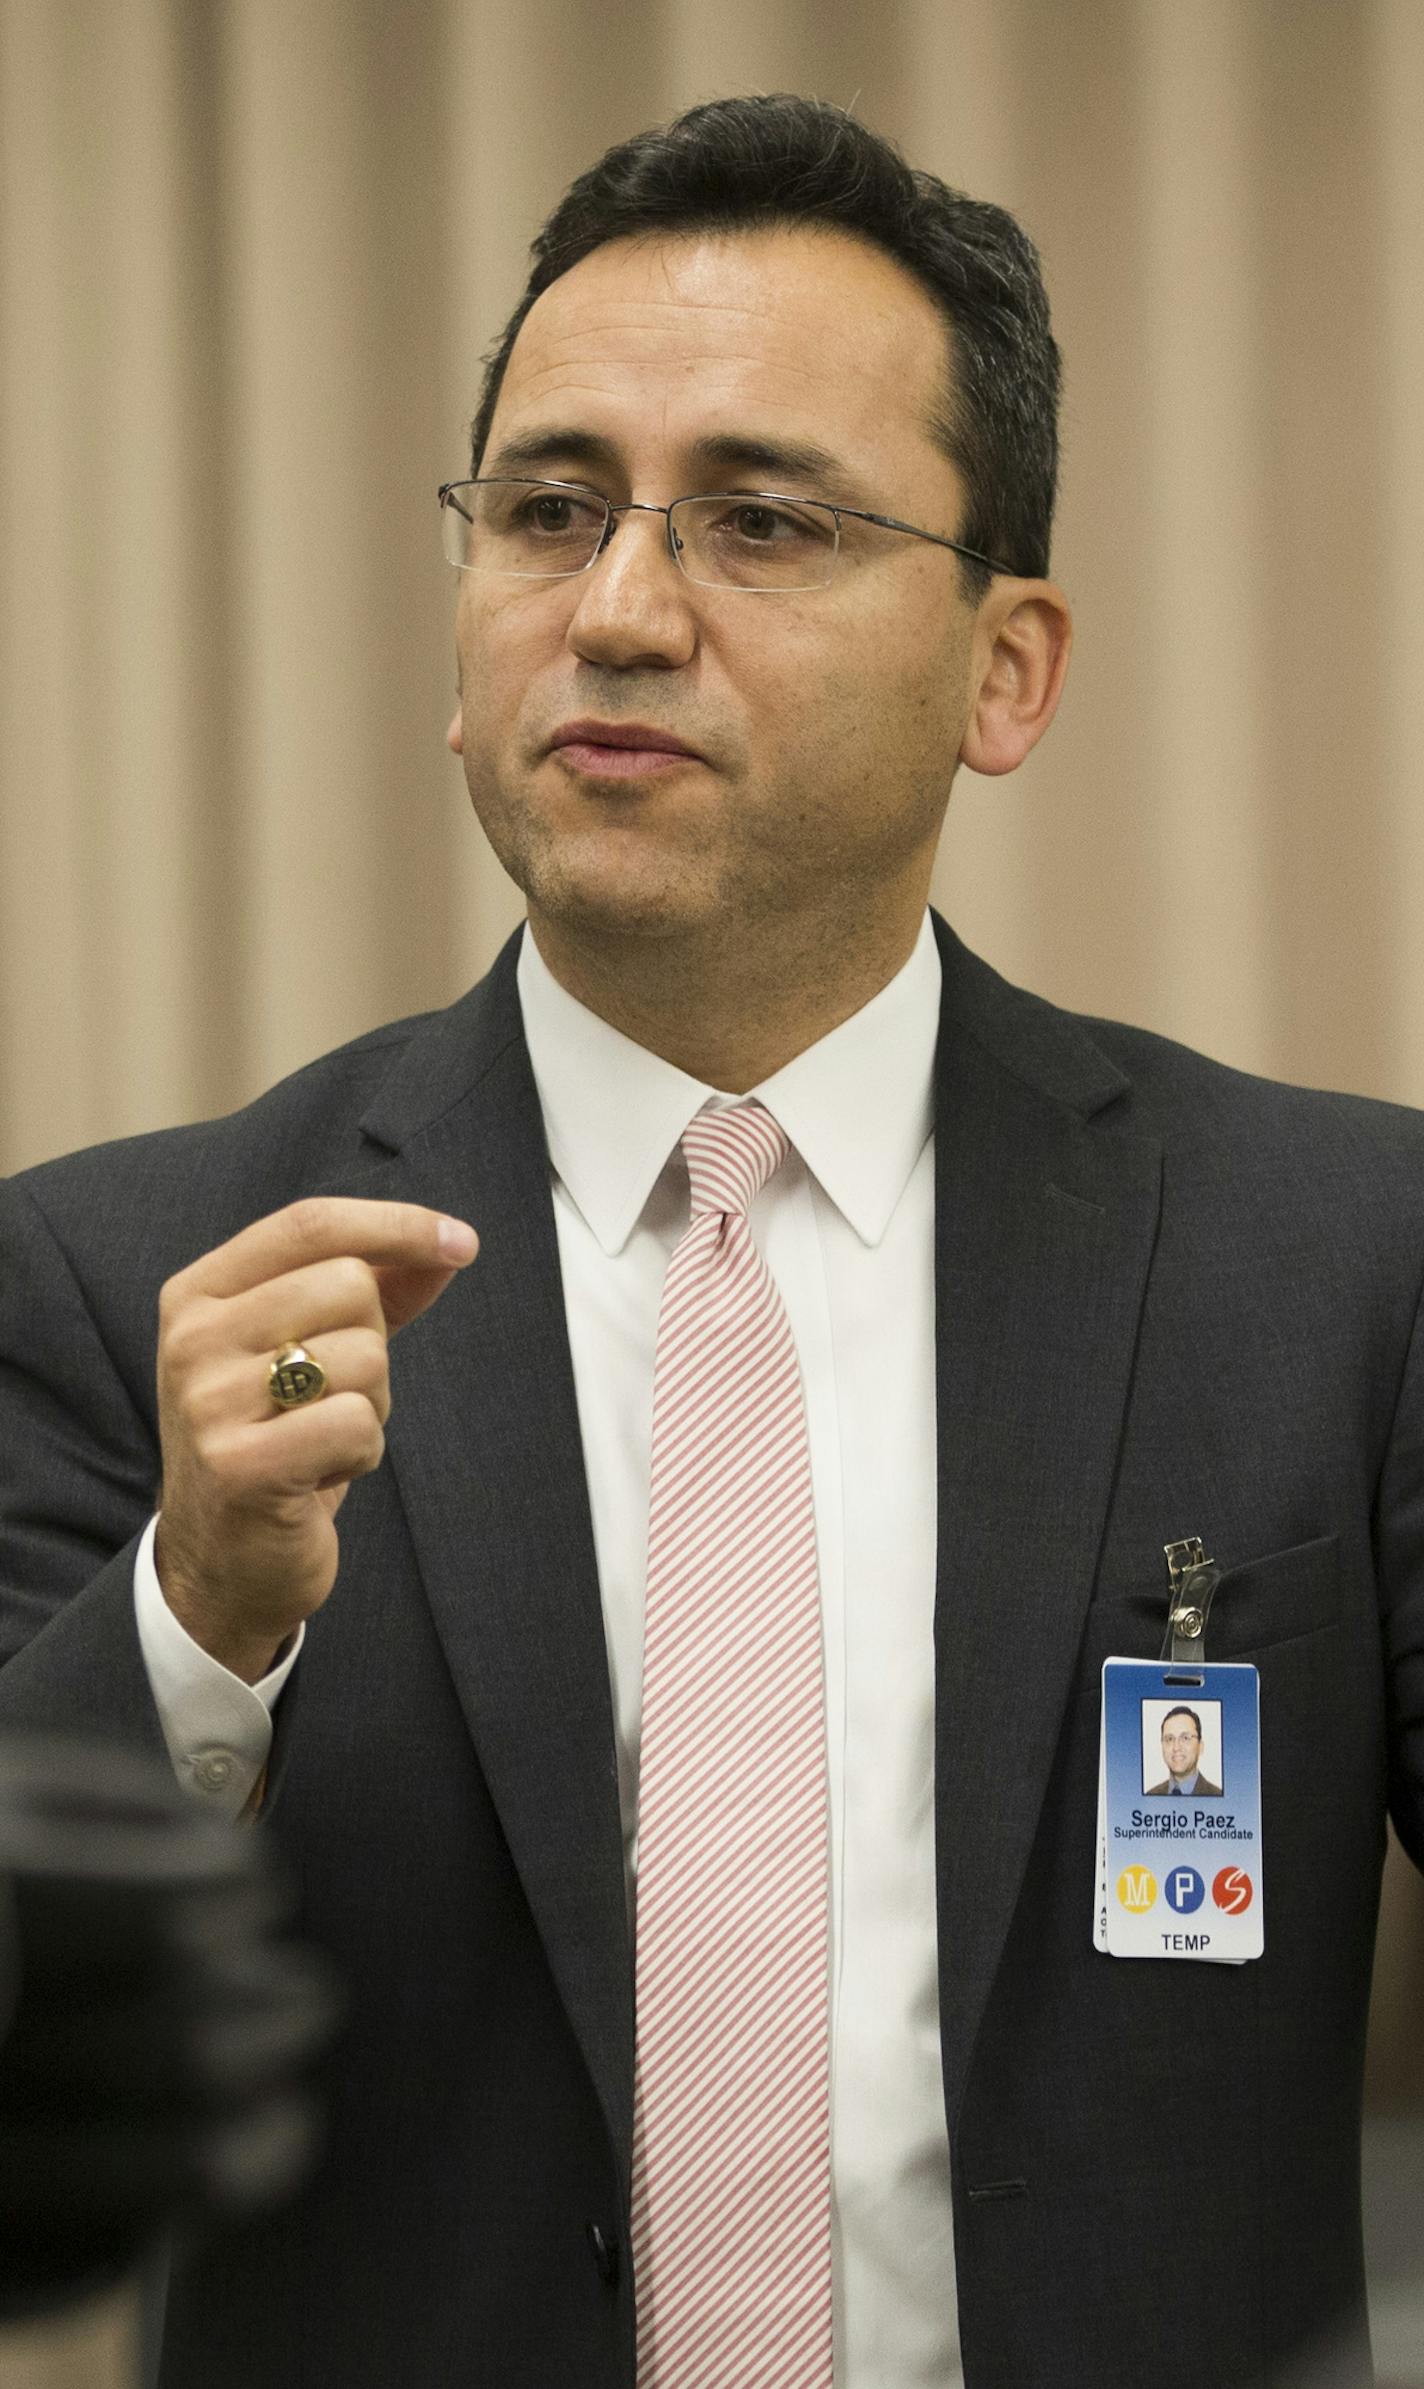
(635, 605)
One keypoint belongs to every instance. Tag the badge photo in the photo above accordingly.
(1181, 1749)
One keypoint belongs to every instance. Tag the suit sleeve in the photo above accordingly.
(79, 1470)
(1400, 1544)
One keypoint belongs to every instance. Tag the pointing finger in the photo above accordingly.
(402, 1236)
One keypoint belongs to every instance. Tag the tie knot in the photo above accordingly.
(730, 1155)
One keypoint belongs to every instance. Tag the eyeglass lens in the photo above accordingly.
(542, 530)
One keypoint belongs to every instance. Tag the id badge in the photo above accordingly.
(1179, 1813)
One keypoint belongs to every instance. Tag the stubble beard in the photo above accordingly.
(615, 885)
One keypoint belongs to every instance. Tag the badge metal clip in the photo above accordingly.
(1192, 1581)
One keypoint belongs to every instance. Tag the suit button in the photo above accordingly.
(605, 2254)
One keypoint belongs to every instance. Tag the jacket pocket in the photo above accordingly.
(1259, 1602)
(1275, 1599)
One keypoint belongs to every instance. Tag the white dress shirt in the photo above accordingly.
(846, 1227)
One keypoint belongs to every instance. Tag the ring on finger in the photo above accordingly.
(294, 1377)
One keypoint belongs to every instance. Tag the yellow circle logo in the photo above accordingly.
(1136, 1889)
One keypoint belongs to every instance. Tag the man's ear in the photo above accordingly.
(1022, 640)
(455, 735)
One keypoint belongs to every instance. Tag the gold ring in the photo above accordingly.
(295, 1377)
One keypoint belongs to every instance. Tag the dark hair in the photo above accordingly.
(734, 164)
(1183, 1713)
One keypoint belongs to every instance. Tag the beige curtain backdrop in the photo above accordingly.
(250, 257)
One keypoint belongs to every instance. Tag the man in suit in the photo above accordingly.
(1181, 1749)
(781, 417)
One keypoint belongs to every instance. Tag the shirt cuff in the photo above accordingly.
(218, 1729)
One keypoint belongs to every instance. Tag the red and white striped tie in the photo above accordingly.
(731, 2152)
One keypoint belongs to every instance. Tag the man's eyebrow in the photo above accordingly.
(556, 444)
(776, 463)
(802, 463)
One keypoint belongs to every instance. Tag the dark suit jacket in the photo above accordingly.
(1201, 1790)
(1171, 1301)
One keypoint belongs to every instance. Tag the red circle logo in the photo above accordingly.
(1233, 1890)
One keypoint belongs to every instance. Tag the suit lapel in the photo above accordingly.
(484, 1443)
(1046, 1206)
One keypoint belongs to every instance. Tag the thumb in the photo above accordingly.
(408, 1288)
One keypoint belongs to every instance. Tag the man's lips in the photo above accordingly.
(619, 750)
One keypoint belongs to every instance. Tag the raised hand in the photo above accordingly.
(247, 1543)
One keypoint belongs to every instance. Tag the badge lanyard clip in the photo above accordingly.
(1192, 1581)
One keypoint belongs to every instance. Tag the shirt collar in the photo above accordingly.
(857, 1105)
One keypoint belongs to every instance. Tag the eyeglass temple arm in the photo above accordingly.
(887, 522)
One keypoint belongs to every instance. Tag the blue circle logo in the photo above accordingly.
(1185, 1889)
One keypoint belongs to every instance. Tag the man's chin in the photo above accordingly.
(607, 896)
(610, 914)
